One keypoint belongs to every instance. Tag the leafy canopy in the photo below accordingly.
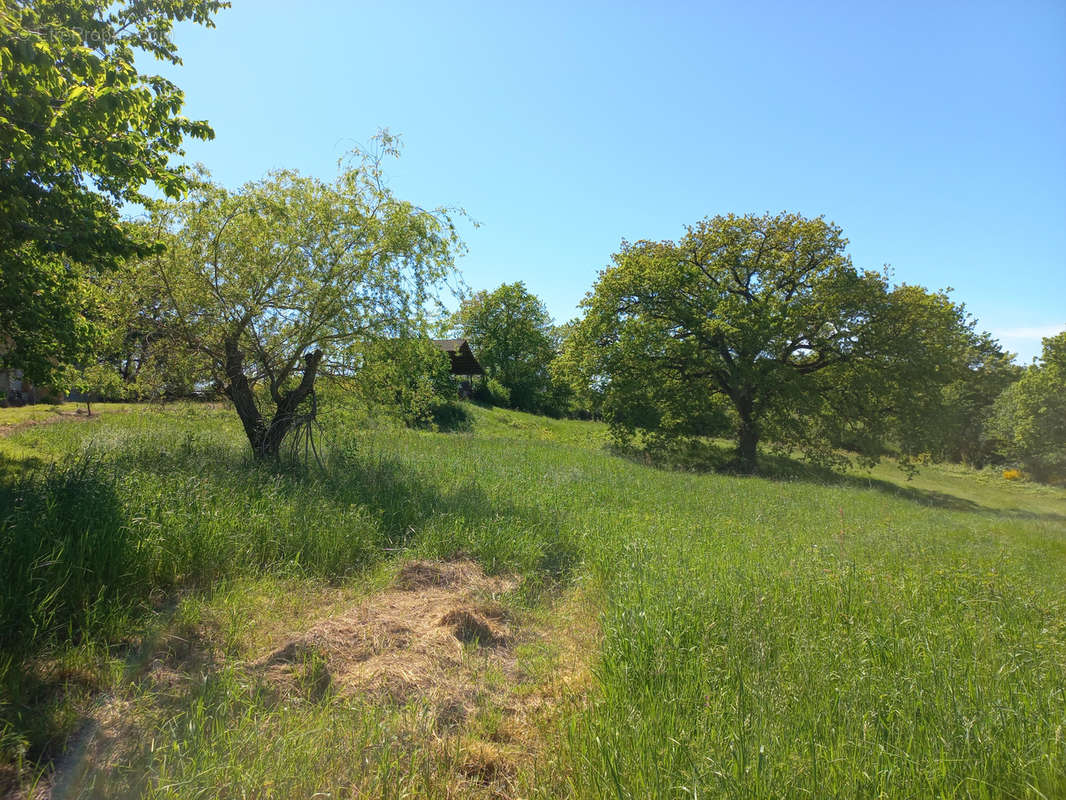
(81, 131)
(760, 325)
(292, 276)
(1029, 418)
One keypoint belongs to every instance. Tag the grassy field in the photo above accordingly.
(672, 633)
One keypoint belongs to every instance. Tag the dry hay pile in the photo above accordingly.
(437, 637)
(432, 636)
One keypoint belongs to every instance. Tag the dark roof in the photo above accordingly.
(463, 361)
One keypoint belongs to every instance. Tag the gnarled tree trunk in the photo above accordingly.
(266, 437)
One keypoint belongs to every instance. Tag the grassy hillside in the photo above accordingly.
(719, 636)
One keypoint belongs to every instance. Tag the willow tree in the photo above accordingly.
(291, 277)
(762, 326)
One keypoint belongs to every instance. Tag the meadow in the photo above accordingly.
(686, 633)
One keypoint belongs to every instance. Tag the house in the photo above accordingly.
(462, 357)
(464, 364)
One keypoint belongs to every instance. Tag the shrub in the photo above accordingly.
(491, 391)
(409, 379)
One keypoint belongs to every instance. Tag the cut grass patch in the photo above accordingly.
(392, 677)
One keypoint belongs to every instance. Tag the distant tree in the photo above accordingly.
(569, 368)
(560, 399)
(81, 131)
(291, 277)
(761, 326)
(969, 402)
(409, 378)
(97, 381)
(510, 330)
(1029, 418)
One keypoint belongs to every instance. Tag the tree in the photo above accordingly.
(141, 341)
(511, 332)
(97, 381)
(291, 277)
(1029, 418)
(763, 326)
(969, 402)
(409, 378)
(81, 131)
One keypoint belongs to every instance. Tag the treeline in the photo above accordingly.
(756, 328)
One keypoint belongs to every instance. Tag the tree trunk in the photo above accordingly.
(747, 447)
(264, 438)
(747, 435)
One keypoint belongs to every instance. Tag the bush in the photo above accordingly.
(411, 380)
(491, 391)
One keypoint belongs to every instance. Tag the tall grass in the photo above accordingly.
(154, 503)
(924, 663)
(761, 638)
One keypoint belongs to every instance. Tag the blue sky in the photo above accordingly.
(933, 133)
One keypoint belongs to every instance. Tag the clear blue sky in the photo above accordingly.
(933, 133)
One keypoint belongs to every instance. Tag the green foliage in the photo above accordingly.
(81, 130)
(291, 276)
(140, 353)
(510, 331)
(969, 401)
(1029, 418)
(491, 391)
(761, 325)
(47, 309)
(96, 382)
(410, 378)
(143, 343)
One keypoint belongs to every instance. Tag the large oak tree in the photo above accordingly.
(761, 324)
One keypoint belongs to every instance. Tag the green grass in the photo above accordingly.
(805, 636)
(21, 415)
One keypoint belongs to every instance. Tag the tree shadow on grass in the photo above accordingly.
(704, 457)
(407, 503)
(70, 574)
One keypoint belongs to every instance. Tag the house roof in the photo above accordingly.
(462, 357)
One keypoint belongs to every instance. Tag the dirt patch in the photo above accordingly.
(470, 628)
(433, 635)
(493, 682)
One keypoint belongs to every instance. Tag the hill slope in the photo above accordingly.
(673, 633)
